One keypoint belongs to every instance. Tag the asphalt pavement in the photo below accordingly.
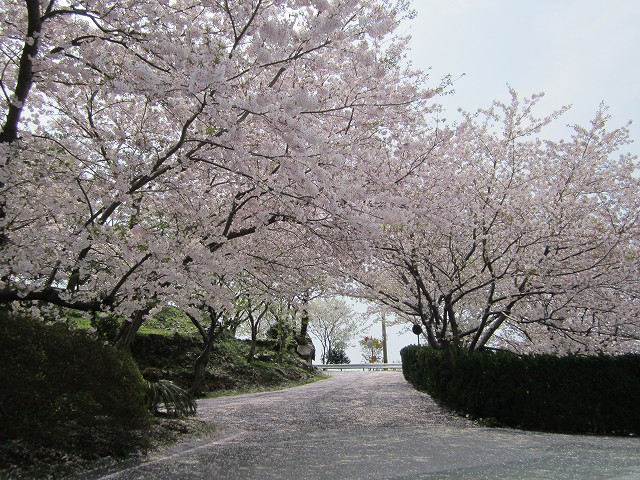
(373, 426)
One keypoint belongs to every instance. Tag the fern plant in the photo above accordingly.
(164, 393)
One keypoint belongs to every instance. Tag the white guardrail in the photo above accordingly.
(360, 366)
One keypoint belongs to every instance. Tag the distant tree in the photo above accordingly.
(371, 348)
(337, 355)
(333, 323)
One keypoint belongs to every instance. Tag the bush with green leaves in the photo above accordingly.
(425, 368)
(106, 325)
(67, 390)
(579, 394)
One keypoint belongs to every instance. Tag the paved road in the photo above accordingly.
(374, 426)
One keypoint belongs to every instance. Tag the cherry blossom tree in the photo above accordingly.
(143, 142)
(333, 323)
(511, 240)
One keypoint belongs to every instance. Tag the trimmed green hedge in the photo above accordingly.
(66, 390)
(598, 394)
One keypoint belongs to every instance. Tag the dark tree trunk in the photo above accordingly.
(24, 81)
(200, 367)
(304, 323)
(254, 341)
(208, 337)
(255, 322)
(282, 341)
(128, 330)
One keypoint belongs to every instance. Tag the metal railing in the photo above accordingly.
(360, 366)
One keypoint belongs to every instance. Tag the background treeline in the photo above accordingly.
(573, 394)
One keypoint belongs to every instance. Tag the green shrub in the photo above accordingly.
(425, 368)
(598, 394)
(165, 352)
(337, 355)
(66, 390)
(165, 397)
(106, 325)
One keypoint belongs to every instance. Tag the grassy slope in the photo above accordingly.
(228, 371)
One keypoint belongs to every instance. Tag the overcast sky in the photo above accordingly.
(578, 52)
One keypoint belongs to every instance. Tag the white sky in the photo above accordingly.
(578, 52)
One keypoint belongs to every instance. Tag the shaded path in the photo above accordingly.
(373, 425)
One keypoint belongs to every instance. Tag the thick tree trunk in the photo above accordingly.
(24, 81)
(304, 322)
(254, 341)
(128, 330)
(208, 337)
(200, 367)
(427, 328)
(282, 342)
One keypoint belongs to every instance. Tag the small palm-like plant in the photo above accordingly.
(165, 397)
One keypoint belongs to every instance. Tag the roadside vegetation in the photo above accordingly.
(569, 394)
(71, 401)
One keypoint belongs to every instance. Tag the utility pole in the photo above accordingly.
(385, 358)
